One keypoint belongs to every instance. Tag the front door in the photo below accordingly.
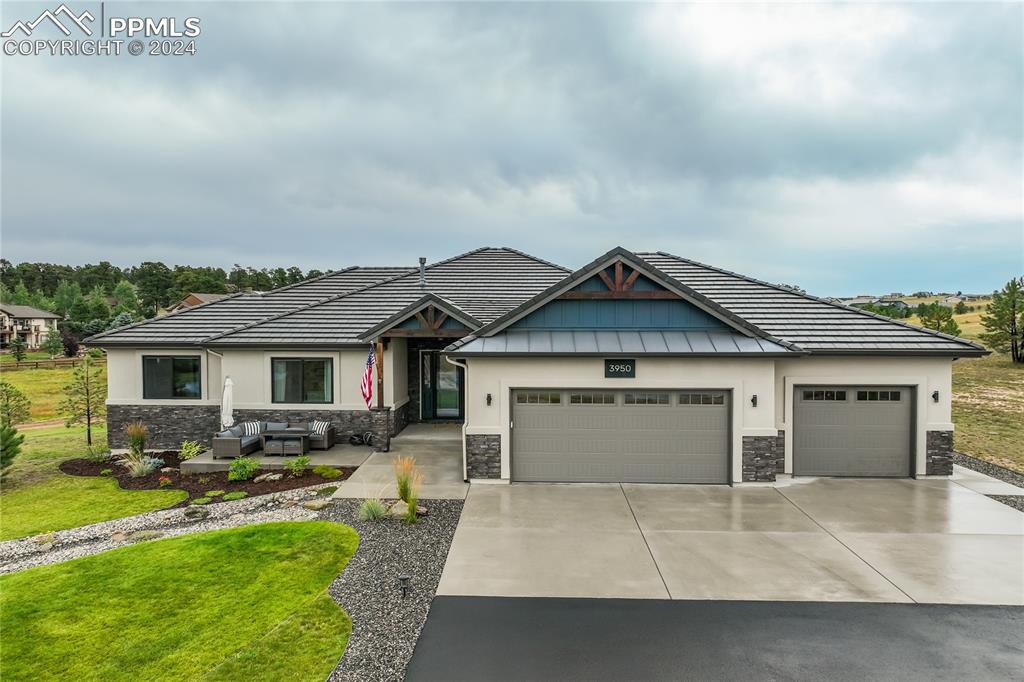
(441, 387)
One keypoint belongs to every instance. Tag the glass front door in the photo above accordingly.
(441, 381)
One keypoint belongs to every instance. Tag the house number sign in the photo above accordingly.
(619, 368)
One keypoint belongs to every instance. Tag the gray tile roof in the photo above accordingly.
(484, 284)
(811, 323)
(27, 312)
(621, 342)
(196, 324)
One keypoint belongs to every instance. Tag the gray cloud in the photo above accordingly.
(834, 146)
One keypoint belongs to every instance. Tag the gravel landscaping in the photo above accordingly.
(385, 626)
(51, 548)
(1015, 501)
(995, 471)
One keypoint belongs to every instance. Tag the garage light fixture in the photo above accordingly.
(753, 400)
(935, 396)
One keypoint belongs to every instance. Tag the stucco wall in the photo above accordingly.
(499, 376)
(925, 374)
(250, 372)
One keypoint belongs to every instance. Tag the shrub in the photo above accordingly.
(214, 493)
(14, 406)
(190, 449)
(203, 480)
(372, 509)
(106, 472)
(326, 472)
(296, 467)
(140, 466)
(202, 500)
(136, 433)
(405, 468)
(414, 490)
(237, 495)
(10, 446)
(98, 455)
(164, 482)
(329, 490)
(242, 469)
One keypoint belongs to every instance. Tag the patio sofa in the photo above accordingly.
(232, 441)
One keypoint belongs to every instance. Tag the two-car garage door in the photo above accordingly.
(852, 430)
(620, 436)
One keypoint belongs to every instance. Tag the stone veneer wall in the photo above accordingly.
(760, 458)
(939, 453)
(483, 456)
(780, 453)
(400, 419)
(168, 425)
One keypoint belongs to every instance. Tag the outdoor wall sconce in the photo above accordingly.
(488, 400)
(753, 400)
(404, 581)
(935, 396)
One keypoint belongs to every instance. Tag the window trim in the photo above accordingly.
(173, 357)
(303, 359)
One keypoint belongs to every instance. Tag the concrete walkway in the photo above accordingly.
(437, 450)
(877, 540)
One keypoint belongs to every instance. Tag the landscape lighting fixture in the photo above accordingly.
(404, 581)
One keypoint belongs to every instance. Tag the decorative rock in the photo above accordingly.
(142, 535)
(400, 509)
(195, 513)
(267, 477)
(316, 505)
(45, 539)
(168, 470)
(119, 537)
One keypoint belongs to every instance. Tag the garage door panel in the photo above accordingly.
(852, 436)
(636, 443)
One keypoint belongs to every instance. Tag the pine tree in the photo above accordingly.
(85, 396)
(53, 344)
(18, 348)
(14, 406)
(940, 318)
(10, 447)
(1004, 320)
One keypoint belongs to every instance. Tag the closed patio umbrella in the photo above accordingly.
(227, 418)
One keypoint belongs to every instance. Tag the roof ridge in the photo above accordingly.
(335, 297)
(536, 258)
(811, 297)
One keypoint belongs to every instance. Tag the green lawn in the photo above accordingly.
(38, 498)
(988, 401)
(29, 355)
(44, 387)
(245, 603)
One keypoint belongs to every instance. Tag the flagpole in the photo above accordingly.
(380, 373)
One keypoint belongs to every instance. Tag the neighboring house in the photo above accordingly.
(950, 301)
(640, 367)
(858, 301)
(193, 299)
(893, 303)
(29, 323)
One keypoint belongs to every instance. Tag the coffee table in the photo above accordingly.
(286, 442)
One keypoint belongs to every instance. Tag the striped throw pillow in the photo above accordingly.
(320, 428)
(251, 428)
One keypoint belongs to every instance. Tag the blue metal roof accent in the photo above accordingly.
(619, 314)
(596, 342)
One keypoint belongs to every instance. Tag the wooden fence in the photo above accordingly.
(44, 364)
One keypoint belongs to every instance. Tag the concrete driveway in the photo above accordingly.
(867, 540)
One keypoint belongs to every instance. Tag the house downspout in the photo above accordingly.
(465, 373)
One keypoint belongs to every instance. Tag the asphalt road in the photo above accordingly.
(494, 638)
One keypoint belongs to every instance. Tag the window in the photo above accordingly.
(830, 396)
(171, 376)
(538, 398)
(592, 398)
(302, 380)
(701, 399)
(872, 396)
(647, 398)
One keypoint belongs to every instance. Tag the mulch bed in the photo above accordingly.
(196, 485)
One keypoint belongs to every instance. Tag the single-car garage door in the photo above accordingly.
(852, 430)
(620, 436)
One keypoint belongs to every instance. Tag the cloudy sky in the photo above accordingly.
(846, 148)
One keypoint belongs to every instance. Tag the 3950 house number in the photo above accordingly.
(619, 368)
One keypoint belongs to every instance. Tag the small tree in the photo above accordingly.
(940, 318)
(14, 406)
(1004, 320)
(53, 344)
(85, 396)
(18, 348)
(120, 320)
(70, 341)
(10, 447)
(960, 308)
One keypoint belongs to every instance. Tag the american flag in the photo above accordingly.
(366, 385)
